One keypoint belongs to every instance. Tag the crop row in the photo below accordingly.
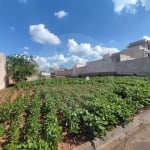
(72, 106)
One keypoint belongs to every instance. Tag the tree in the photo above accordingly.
(19, 67)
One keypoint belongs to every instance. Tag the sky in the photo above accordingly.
(62, 33)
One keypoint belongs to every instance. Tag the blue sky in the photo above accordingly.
(61, 33)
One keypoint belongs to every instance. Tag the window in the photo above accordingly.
(147, 55)
(148, 47)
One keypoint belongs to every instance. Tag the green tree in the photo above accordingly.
(19, 67)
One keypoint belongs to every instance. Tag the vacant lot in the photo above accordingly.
(64, 112)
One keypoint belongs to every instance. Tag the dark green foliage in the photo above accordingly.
(20, 67)
(2, 130)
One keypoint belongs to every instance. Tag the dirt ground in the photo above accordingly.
(4, 94)
(140, 140)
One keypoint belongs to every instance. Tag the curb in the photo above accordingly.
(114, 137)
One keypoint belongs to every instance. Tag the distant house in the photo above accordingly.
(134, 60)
(135, 50)
(138, 49)
(53, 72)
(61, 72)
(45, 74)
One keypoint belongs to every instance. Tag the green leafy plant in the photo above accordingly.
(2, 130)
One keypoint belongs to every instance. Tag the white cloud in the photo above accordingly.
(130, 6)
(42, 35)
(147, 38)
(145, 4)
(98, 49)
(42, 62)
(87, 50)
(12, 28)
(23, 1)
(26, 48)
(60, 14)
(77, 60)
(54, 65)
(83, 49)
(72, 44)
(59, 58)
(77, 54)
(51, 62)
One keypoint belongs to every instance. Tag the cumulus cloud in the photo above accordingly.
(51, 62)
(83, 49)
(42, 35)
(23, 1)
(87, 50)
(147, 38)
(130, 6)
(42, 62)
(145, 4)
(60, 14)
(77, 60)
(78, 53)
(59, 58)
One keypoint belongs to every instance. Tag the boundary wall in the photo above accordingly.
(2, 71)
(108, 67)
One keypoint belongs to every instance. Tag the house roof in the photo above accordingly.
(138, 43)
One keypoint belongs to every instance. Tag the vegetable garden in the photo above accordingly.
(48, 112)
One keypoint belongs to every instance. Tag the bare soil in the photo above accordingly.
(3, 94)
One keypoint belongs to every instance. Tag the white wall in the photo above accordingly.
(130, 67)
(125, 57)
(96, 67)
(136, 66)
(2, 71)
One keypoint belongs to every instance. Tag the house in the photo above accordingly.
(45, 74)
(61, 72)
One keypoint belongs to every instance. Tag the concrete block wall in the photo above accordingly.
(97, 67)
(100, 66)
(2, 71)
(134, 67)
(130, 67)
